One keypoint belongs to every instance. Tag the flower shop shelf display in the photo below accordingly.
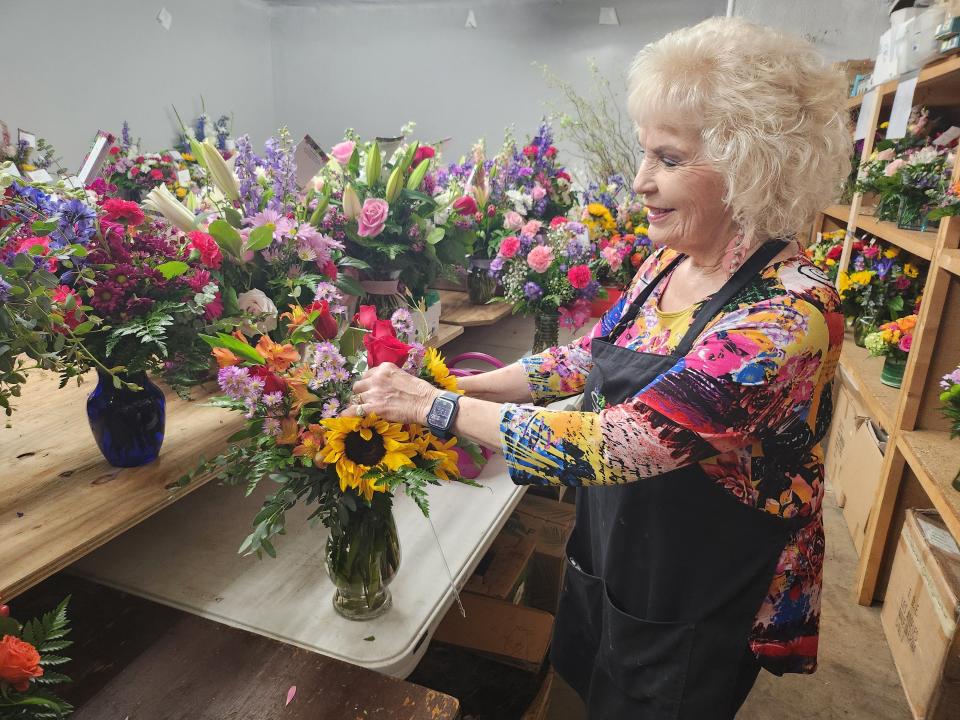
(901, 284)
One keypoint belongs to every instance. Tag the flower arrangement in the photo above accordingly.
(28, 655)
(218, 131)
(547, 271)
(950, 397)
(879, 284)
(619, 229)
(134, 173)
(893, 339)
(945, 199)
(23, 156)
(826, 251)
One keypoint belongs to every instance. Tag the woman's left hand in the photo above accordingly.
(392, 394)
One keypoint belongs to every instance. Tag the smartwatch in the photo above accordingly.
(443, 413)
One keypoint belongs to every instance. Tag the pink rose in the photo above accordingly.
(887, 154)
(513, 220)
(372, 218)
(612, 257)
(531, 228)
(540, 258)
(905, 342)
(538, 193)
(342, 152)
(509, 246)
(893, 167)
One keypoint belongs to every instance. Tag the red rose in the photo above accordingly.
(383, 346)
(579, 276)
(424, 152)
(835, 252)
(156, 175)
(325, 325)
(271, 381)
(530, 151)
(24, 245)
(19, 663)
(134, 171)
(465, 205)
(206, 247)
(366, 317)
(114, 150)
(551, 151)
(124, 211)
(330, 270)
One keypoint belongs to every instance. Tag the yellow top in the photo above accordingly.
(673, 325)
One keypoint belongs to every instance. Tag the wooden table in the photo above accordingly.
(137, 659)
(61, 499)
(445, 334)
(455, 309)
(186, 557)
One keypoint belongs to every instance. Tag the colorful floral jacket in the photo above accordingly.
(760, 374)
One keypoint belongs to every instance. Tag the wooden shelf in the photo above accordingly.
(950, 261)
(913, 241)
(445, 334)
(61, 499)
(864, 372)
(455, 309)
(936, 85)
(838, 212)
(935, 459)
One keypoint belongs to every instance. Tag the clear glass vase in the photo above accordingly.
(863, 326)
(363, 556)
(481, 284)
(546, 331)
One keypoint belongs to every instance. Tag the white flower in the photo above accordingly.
(255, 302)
(925, 155)
(162, 201)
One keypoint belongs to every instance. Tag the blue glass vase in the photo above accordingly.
(127, 424)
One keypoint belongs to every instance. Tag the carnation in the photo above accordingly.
(540, 258)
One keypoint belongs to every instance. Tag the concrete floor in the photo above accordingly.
(856, 678)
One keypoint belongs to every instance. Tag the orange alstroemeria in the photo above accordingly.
(225, 358)
(279, 357)
(299, 390)
(311, 445)
(289, 431)
(297, 316)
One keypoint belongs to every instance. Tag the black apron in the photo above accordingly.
(664, 575)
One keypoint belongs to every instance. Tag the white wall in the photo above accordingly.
(375, 66)
(71, 67)
(841, 29)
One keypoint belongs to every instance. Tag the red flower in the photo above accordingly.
(166, 158)
(558, 221)
(198, 280)
(124, 211)
(530, 151)
(156, 174)
(206, 248)
(214, 308)
(114, 150)
(636, 259)
(509, 246)
(424, 152)
(551, 152)
(366, 317)
(563, 176)
(465, 205)
(26, 243)
(382, 345)
(134, 171)
(330, 270)
(835, 252)
(271, 382)
(579, 276)
(140, 158)
(60, 295)
(325, 325)
(19, 663)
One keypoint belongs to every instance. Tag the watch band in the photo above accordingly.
(443, 414)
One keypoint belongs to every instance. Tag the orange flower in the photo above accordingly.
(279, 357)
(298, 388)
(288, 431)
(297, 316)
(225, 358)
(19, 663)
(311, 444)
(907, 323)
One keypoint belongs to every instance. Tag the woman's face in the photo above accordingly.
(683, 194)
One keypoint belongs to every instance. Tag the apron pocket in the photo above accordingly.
(576, 631)
(647, 661)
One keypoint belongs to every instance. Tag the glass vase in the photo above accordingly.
(384, 295)
(863, 326)
(128, 425)
(481, 284)
(546, 331)
(363, 557)
(892, 372)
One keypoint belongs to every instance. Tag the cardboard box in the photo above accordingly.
(513, 634)
(859, 473)
(848, 414)
(502, 571)
(545, 573)
(920, 613)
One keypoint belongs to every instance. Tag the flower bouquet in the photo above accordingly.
(919, 172)
(619, 228)
(291, 392)
(28, 654)
(950, 397)
(893, 341)
(134, 173)
(826, 252)
(945, 199)
(545, 272)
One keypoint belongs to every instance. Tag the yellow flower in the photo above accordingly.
(910, 270)
(831, 262)
(891, 252)
(311, 444)
(28, 167)
(862, 278)
(187, 156)
(884, 125)
(843, 283)
(181, 192)
(357, 445)
(432, 448)
(437, 372)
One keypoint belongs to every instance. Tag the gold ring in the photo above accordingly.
(361, 412)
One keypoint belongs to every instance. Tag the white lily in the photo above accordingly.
(220, 172)
(351, 203)
(161, 200)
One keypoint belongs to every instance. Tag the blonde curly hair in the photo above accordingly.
(771, 113)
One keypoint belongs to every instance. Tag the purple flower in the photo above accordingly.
(330, 408)
(496, 265)
(314, 245)
(271, 427)
(245, 166)
(236, 383)
(402, 322)
(532, 291)
(415, 356)
(282, 225)
(282, 170)
(4, 291)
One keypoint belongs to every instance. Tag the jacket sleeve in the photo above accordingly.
(750, 378)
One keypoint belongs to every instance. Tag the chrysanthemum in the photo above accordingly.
(355, 445)
(437, 372)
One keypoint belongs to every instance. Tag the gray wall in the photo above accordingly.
(374, 66)
(71, 67)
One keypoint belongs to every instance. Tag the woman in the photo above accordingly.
(697, 555)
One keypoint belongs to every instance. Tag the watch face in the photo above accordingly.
(440, 413)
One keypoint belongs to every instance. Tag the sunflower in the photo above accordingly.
(431, 448)
(358, 444)
(437, 373)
